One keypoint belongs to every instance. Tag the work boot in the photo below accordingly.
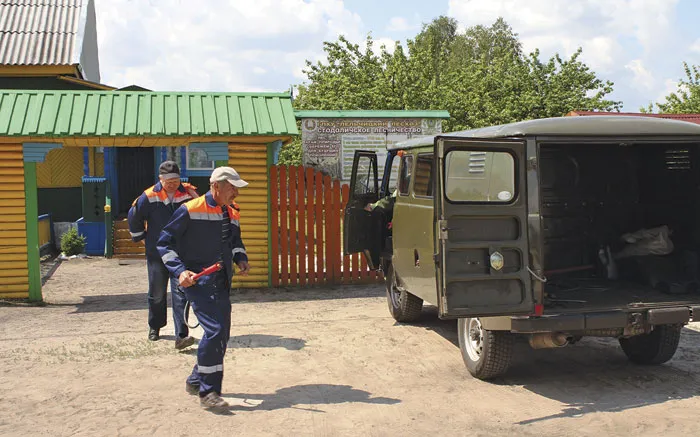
(212, 401)
(183, 342)
(153, 334)
(192, 389)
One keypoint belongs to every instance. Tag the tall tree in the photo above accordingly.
(686, 99)
(481, 76)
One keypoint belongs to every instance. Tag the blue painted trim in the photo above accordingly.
(276, 146)
(200, 173)
(163, 156)
(36, 152)
(86, 161)
(215, 151)
(93, 179)
(183, 162)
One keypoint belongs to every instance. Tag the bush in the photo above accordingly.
(291, 153)
(72, 243)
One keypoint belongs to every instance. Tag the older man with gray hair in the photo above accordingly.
(205, 232)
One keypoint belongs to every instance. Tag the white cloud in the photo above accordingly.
(670, 86)
(222, 45)
(630, 41)
(695, 46)
(398, 24)
(642, 77)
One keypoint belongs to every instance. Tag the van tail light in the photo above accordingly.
(539, 309)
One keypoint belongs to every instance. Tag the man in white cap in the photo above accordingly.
(155, 207)
(201, 233)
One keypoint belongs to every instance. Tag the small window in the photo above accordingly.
(197, 159)
(405, 173)
(477, 176)
(423, 185)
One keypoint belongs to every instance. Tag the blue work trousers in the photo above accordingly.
(158, 278)
(211, 304)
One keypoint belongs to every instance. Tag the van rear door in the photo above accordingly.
(481, 228)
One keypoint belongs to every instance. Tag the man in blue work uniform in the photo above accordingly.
(150, 212)
(201, 233)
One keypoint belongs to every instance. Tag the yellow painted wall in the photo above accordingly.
(250, 160)
(62, 168)
(44, 231)
(14, 275)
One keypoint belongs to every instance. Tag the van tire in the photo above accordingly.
(489, 355)
(656, 347)
(403, 306)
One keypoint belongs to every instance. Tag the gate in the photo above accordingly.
(307, 210)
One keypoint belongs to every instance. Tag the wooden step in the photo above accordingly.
(122, 234)
(129, 250)
(123, 242)
(121, 224)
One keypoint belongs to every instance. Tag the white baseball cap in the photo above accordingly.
(228, 174)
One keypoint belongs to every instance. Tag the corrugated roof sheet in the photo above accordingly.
(39, 32)
(691, 118)
(124, 113)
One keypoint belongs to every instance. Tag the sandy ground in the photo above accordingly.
(326, 362)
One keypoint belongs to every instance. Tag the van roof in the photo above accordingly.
(598, 126)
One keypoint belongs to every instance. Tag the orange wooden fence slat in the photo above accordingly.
(311, 264)
(274, 226)
(327, 211)
(293, 235)
(284, 234)
(320, 257)
(345, 194)
(337, 251)
(354, 266)
(301, 217)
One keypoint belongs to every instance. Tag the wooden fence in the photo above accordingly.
(306, 231)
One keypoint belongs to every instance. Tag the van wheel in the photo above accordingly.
(487, 354)
(403, 306)
(656, 347)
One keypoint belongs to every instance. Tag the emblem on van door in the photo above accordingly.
(496, 261)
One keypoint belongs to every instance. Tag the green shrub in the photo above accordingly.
(72, 243)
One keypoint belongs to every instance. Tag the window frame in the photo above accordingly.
(431, 156)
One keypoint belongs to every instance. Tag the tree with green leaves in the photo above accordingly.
(686, 99)
(481, 76)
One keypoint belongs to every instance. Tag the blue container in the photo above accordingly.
(94, 233)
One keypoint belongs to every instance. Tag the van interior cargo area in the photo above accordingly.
(621, 225)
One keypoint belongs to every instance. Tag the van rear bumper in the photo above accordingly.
(629, 320)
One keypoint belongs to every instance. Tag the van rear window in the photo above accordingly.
(479, 176)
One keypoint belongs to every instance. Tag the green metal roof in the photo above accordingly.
(372, 114)
(131, 113)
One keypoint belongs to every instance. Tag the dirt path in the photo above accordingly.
(320, 362)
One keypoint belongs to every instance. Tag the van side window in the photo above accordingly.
(405, 173)
(479, 176)
(423, 186)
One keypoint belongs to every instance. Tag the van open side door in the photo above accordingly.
(361, 228)
(481, 228)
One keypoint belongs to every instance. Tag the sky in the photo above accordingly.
(262, 45)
